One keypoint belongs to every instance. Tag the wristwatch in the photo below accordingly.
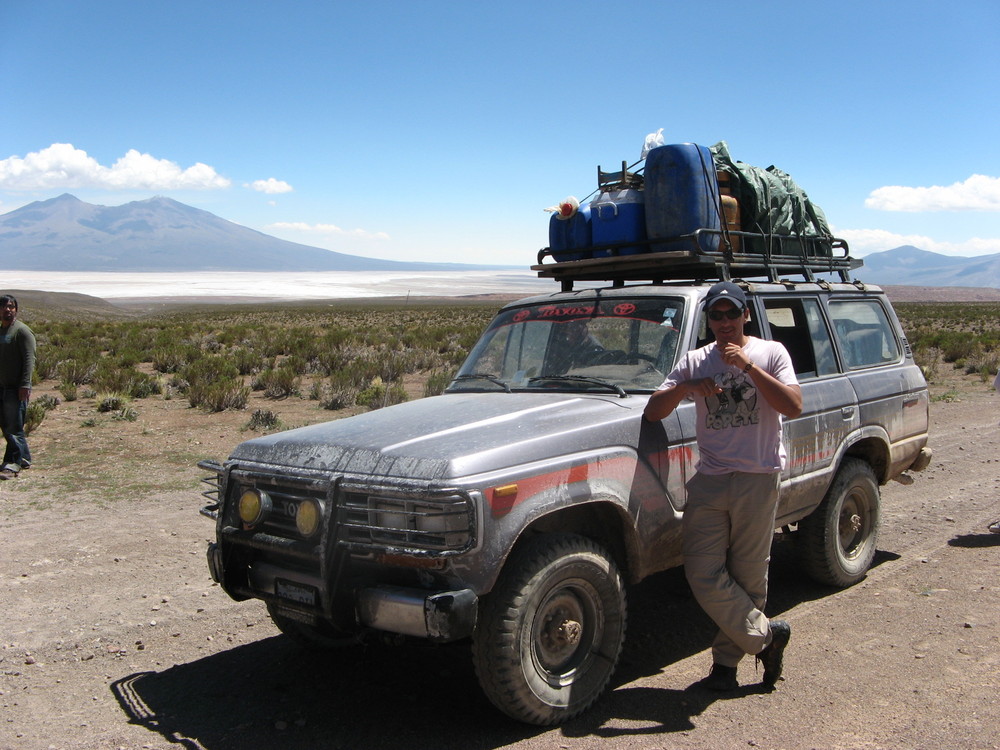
(749, 367)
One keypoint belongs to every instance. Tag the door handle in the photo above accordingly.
(847, 412)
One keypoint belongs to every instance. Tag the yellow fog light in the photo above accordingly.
(254, 506)
(307, 518)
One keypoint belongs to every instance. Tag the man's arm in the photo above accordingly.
(784, 398)
(663, 402)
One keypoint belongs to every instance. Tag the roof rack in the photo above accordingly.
(703, 254)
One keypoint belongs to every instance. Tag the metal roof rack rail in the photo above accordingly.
(704, 254)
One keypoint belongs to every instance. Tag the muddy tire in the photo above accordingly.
(551, 632)
(838, 539)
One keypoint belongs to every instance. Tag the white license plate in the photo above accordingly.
(295, 592)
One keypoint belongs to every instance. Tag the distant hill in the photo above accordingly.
(911, 266)
(160, 234)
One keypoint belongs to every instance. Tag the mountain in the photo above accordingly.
(160, 234)
(911, 266)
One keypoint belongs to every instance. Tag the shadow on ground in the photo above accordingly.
(272, 694)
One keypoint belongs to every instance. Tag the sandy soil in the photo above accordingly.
(112, 634)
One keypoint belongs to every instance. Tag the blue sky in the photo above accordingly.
(440, 131)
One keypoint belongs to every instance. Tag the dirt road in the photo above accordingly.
(112, 634)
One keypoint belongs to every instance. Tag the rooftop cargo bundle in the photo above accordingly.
(706, 215)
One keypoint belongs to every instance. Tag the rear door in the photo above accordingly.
(891, 391)
(829, 404)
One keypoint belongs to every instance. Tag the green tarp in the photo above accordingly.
(771, 203)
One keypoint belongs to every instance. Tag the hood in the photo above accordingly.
(453, 435)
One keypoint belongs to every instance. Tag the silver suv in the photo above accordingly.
(514, 509)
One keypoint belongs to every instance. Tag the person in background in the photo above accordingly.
(742, 386)
(17, 363)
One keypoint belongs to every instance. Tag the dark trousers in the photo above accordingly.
(12, 412)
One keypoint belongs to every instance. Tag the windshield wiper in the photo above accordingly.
(583, 379)
(483, 376)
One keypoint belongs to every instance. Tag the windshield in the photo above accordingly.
(607, 345)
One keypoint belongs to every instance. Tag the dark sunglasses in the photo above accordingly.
(720, 314)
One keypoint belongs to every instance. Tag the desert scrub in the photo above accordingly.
(174, 357)
(279, 382)
(263, 420)
(379, 394)
(115, 376)
(106, 402)
(959, 330)
(68, 391)
(34, 415)
(436, 383)
(77, 371)
(219, 396)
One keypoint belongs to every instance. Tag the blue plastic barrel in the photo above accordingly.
(682, 196)
(618, 216)
(570, 239)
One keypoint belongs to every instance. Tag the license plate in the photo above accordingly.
(295, 592)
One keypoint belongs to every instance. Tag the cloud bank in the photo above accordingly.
(325, 229)
(978, 193)
(62, 165)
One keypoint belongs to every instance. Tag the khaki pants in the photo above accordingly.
(728, 527)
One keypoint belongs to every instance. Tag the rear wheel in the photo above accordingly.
(551, 632)
(839, 537)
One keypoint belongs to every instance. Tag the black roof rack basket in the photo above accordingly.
(703, 254)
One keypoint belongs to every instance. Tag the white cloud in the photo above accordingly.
(62, 165)
(978, 193)
(326, 229)
(863, 242)
(270, 186)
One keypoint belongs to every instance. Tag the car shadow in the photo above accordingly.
(271, 693)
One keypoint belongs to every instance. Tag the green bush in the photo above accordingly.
(262, 420)
(219, 395)
(106, 402)
(33, 416)
(436, 383)
(278, 383)
(379, 394)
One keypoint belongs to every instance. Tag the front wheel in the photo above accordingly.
(839, 537)
(551, 631)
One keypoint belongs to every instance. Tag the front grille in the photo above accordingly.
(287, 495)
(425, 523)
(366, 519)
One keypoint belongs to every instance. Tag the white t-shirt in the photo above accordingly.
(737, 430)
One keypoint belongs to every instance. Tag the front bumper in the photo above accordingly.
(438, 616)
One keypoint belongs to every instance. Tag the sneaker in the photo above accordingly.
(12, 468)
(771, 656)
(721, 679)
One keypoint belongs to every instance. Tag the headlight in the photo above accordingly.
(307, 517)
(255, 506)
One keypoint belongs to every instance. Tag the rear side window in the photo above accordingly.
(799, 325)
(863, 331)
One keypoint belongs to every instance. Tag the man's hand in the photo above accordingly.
(733, 354)
(703, 387)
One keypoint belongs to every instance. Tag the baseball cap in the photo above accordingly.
(725, 290)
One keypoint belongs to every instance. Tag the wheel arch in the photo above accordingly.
(871, 445)
(603, 520)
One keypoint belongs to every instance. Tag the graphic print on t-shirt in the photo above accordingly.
(736, 406)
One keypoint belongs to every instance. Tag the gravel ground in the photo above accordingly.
(112, 634)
